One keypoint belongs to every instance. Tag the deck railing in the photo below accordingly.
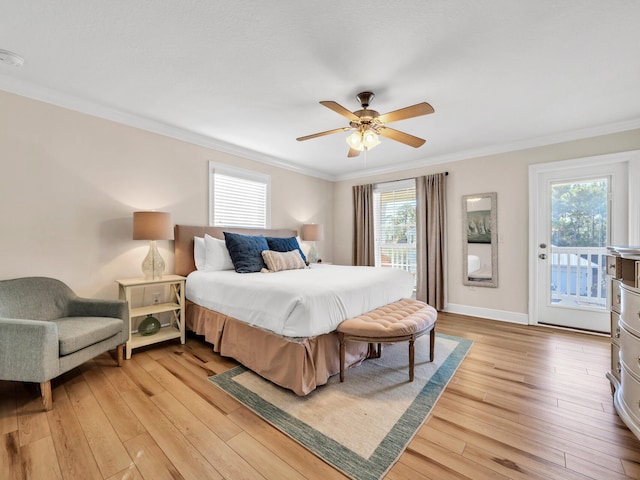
(578, 276)
(398, 255)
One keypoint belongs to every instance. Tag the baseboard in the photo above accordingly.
(501, 315)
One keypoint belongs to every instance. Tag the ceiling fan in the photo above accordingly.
(369, 124)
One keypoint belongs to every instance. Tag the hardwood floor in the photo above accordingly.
(526, 403)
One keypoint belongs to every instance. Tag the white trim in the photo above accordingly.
(535, 171)
(250, 175)
(633, 172)
(395, 185)
(497, 149)
(489, 313)
(48, 95)
(77, 104)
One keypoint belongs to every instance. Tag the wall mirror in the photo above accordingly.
(480, 239)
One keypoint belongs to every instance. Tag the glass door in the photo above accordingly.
(576, 212)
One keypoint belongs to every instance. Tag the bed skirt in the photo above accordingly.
(299, 364)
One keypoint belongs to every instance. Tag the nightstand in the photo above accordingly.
(175, 306)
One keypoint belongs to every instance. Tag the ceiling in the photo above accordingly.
(246, 76)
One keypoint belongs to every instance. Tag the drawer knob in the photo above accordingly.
(618, 299)
(617, 332)
(618, 368)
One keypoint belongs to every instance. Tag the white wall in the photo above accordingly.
(506, 174)
(69, 184)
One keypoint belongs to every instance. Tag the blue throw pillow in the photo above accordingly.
(285, 245)
(246, 251)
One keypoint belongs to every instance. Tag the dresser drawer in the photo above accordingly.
(615, 295)
(614, 266)
(630, 396)
(630, 356)
(615, 327)
(630, 314)
(615, 361)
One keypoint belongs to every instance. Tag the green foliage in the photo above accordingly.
(399, 222)
(579, 214)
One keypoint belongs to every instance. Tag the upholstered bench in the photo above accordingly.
(404, 320)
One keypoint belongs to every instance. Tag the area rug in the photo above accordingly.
(363, 425)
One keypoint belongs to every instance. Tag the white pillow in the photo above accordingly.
(199, 252)
(304, 246)
(217, 256)
(278, 261)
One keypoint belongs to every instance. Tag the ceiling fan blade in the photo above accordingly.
(336, 107)
(401, 137)
(408, 112)
(322, 134)
(353, 153)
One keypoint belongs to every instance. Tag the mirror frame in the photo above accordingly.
(493, 281)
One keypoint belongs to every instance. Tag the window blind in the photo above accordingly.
(238, 198)
(395, 224)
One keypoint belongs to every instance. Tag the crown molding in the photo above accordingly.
(47, 95)
(498, 149)
(77, 104)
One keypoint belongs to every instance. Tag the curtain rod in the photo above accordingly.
(409, 178)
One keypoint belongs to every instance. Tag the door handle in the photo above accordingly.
(542, 256)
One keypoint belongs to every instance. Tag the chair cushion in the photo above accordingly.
(404, 317)
(76, 333)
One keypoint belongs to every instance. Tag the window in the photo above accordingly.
(238, 198)
(395, 224)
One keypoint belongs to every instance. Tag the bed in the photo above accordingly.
(290, 340)
(475, 271)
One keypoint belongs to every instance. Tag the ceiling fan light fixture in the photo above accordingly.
(370, 139)
(363, 139)
(367, 125)
(355, 141)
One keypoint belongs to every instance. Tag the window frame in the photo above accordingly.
(243, 174)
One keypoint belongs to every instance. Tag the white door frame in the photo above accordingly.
(631, 235)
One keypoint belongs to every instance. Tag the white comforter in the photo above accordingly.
(299, 303)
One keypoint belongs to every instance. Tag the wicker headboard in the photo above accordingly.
(183, 234)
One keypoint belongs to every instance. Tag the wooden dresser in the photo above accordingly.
(623, 268)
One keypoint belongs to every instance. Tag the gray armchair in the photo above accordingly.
(46, 330)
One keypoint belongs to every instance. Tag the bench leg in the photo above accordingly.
(47, 399)
(341, 336)
(375, 350)
(432, 343)
(411, 359)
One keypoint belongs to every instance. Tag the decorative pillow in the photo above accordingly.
(285, 245)
(278, 261)
(246, 251)
(199, 253)
(217, 256)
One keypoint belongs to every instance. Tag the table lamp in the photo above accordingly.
(312, 232)
(152, 226)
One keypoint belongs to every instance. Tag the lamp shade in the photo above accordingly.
(152, 226)
(355, 141)
(370, 139)
(312, 232)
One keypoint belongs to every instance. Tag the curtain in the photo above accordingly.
(363, 232)
(431, 278)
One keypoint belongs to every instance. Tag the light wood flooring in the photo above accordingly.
(526, 403)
